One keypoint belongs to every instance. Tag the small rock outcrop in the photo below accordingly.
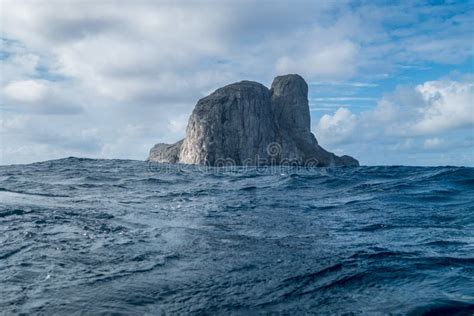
(166, 152)
(246, 123)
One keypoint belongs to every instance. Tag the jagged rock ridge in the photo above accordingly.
(246, 123)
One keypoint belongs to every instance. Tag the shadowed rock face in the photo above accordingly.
(245, 123)
(291, 116)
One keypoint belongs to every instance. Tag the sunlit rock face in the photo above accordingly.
(235, 123)
(165, 152)
(246, 123)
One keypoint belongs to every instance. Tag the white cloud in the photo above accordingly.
(447, 104)
(402, 118)
(330, 61)
(338, 127)
(40, 97)
(18, 63)
(25, 90)
(427, 109)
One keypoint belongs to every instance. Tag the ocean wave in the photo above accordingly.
(110, 236)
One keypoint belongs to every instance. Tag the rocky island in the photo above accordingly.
(245, 123)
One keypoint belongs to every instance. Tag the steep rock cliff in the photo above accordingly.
(245, 123)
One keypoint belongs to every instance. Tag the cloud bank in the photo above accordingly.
(410, 118)
(111, 78)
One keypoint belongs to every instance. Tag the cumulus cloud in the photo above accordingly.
(402, 119)
(39, 96)
(338, 127)
(25, 90)
(426, 109)
(447, 104)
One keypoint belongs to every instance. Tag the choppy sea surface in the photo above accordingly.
(91, 236)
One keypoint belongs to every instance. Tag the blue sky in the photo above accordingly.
(389, 82)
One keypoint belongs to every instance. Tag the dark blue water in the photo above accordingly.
(113, 236)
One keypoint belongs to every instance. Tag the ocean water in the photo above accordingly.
(128, 237)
